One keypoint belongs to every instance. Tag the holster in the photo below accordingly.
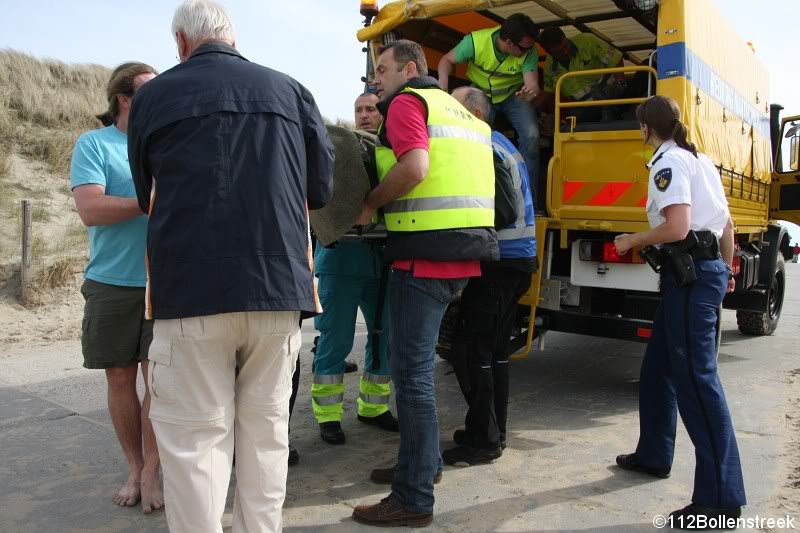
(680, 263)
(679, 257)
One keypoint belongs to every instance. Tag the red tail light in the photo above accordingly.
(736, 264)
(606, 252)
(610, 254)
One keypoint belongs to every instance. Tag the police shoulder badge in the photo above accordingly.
(663, 178)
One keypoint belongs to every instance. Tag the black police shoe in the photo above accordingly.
(385, 476)
(695, 516)
(385, 421)
(331, 432)
(631, 462)
(468, 456)
(294, 457)
(460, 436)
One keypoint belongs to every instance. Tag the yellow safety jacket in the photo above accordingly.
(458, 191)
(499, 80)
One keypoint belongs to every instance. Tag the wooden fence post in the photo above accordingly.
(25, 270)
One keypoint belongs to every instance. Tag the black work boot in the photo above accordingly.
(631, 462)
(695, 516)
(331, 432)
(385, 421)
(294, 457)
(460, 436)
(463, 455)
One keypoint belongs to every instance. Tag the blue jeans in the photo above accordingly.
(416, 308)
(522, 116)
(679, 376)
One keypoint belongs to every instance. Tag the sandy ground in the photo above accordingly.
(573, 408)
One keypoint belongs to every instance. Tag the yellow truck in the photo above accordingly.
(596, 178)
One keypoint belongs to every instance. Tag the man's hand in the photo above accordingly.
(366, 215)
(731, 285)
(528, 93)
(623, 243)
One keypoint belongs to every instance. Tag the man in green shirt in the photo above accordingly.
(584, 51)
(503, 62)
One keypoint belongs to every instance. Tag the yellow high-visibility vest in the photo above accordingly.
(458, 191)
(499, 80)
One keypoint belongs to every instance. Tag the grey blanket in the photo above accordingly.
(351, 184)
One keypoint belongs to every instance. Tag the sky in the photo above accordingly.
(311, 40)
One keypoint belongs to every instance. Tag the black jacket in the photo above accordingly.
(233, 152)
(460, 244)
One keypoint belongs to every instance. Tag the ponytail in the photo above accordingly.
(662, 115)
(680, 134)
(106, 119)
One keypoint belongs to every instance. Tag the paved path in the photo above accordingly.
(573, 408)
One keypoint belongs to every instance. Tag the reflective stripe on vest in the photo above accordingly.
(517, 240)
(440, 202)
(457, 132)
(498, 79)
(458, 190)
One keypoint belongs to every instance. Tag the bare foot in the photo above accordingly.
(129, 495)
(152, 498)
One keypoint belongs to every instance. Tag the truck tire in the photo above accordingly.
(765, 323)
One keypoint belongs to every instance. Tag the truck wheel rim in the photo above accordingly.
(776, 296)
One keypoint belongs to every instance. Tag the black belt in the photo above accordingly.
(704, 253)
(699, 244)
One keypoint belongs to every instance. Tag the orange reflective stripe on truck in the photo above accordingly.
(613, 193)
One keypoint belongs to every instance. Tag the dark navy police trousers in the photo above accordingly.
(679, 375)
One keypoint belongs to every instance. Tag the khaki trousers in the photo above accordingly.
(198, 405)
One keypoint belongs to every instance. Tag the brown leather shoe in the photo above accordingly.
(385, 476)
(389, 513)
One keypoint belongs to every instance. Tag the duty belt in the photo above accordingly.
(679, 256)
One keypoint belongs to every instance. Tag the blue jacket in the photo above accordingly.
(234, 153)
(518, 239)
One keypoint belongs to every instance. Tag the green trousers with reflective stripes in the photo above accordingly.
(341, 296)
(373, 395)
(327, 396)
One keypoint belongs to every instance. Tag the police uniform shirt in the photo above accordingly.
(678, 177)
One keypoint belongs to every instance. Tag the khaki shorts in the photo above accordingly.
(114, 333)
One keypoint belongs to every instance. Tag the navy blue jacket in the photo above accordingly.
(233, 152)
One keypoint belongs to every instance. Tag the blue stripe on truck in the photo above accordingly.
(677, 59)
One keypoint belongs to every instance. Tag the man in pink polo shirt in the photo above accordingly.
(429, 266)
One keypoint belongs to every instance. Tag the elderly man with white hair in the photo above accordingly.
(227, 156)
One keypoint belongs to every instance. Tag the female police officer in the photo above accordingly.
(686, 208)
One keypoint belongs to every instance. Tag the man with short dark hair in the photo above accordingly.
(436, 194)
(227, 158)
(584, 51)
(367, 116)
(504, 63)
